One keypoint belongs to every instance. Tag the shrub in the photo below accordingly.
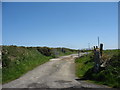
(44, 50)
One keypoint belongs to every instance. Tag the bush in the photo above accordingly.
(44, 50)
(110, 75)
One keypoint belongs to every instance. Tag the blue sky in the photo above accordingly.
(71, 25)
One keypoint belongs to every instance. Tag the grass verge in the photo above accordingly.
(83, 64)
(110, 75)
(18, 60)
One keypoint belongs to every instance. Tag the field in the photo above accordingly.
(16, 61)
(110, 75)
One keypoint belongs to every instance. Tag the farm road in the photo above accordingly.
(57, 73)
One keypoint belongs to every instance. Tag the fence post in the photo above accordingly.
(78, 52)
(101, 49)
(96, 59)
(96, 47)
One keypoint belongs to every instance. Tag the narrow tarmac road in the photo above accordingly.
(57, 73)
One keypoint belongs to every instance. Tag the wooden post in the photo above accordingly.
(94, 51)
(78, 52)
(101, 49)
(96, 59)
(96, 47)
(98, 42)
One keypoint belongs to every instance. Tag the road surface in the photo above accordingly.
(57, 73)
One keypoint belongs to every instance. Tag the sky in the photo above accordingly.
(60, 0)
(60, 24)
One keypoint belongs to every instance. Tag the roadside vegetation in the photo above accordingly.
(109, 75)
(0, 75)
(16, 61)
(83, 64)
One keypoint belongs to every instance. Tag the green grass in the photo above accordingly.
(83, 64)
(16, 61)
(110, 75)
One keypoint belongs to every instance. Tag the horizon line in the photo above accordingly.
(56, 47)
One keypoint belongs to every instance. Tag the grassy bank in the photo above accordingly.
(110, 75)
(83, 64)
(17, 61)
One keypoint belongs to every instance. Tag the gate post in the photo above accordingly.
(78, 52)
(101, 49)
